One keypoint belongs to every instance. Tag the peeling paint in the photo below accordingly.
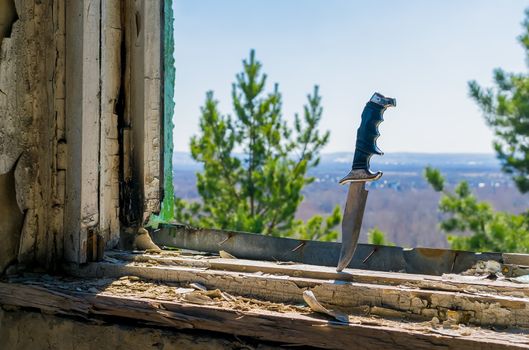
(167, 210)
(31, 112)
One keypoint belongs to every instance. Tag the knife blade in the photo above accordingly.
(360, 173)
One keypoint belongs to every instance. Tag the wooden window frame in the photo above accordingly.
(113, 107)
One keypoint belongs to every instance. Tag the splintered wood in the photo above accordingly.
(180, 306)
(133, 286)
(265, 300)
(447, 302)
(470, 300)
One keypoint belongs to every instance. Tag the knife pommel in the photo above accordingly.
(366, 138)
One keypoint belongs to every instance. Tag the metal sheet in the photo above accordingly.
(368, 257)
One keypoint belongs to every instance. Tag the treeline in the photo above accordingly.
(262, 191)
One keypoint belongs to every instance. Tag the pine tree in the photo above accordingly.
(378, 237)
(485, 229)
(254, 164)
(506, 110)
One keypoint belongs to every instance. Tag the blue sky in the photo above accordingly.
(420, 52)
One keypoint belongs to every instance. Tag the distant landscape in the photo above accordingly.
(401, 203)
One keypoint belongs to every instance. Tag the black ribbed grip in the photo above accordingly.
(368, 133)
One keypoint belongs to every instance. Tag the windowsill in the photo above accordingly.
(264, 300)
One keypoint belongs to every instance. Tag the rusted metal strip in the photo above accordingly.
(427, 261)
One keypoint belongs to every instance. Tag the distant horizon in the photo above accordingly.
(433, 50)
(492, 154)
(182, 158)
(394, 161)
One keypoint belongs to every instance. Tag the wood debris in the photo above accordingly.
(225, 255)
(177, 305)
(435, 305)
(315, 305)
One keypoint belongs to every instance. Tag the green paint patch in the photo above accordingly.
(167, 206)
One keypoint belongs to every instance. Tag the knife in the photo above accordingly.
(360, 173)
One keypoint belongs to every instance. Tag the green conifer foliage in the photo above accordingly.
(506, 110)
(254, 164)
(378, 237)
(474, 225)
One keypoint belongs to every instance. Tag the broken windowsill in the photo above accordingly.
(264, 300)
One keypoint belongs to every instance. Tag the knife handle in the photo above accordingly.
(368, 133)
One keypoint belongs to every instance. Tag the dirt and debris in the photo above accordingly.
(225, 255)
(194, 293)
(521, 279)
(143, 241)
(197, 286)
(429, 305)
(137, 288)
(489, 269)
(492, 270)
(133, 286)
(315, 305)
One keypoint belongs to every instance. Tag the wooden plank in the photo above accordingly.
(22, 329)
(110, 85)
(291, 328)
(91, 116)
(143, 112)
(59, 188)
(447, 283)
(152, 108)
(82, 125)
(466, 305)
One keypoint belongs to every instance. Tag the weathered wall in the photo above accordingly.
(142, 86)
(169, 76)
(83, 125)
(31, 102)
(111, 70)
(93, 81)
(32, 330)
(80, 101)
